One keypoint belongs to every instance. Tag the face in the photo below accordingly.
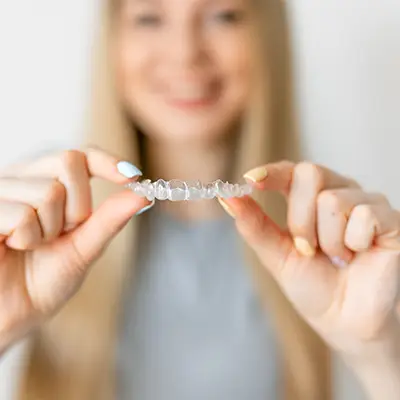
(183, 66)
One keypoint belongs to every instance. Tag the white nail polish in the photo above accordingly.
(128, 170)
(338, 262)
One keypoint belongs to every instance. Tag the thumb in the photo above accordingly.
(89, 239)
(263, 235)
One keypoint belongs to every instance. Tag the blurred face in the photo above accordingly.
(183, 66)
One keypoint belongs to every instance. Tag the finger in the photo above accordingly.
(259, 231)
(274, 248)
(74, 169)
(51, 212)
(70, 168)
(46, 196)
(72, 172)
(301, 185)
(20, 225)
(86, 243)
(275, 176)
(308, 181)
(280, 177)
(333, 210)
(373, 224)
(99, 164)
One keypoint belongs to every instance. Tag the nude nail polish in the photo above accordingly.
(226, 207)
(257, 174)
(304, 247)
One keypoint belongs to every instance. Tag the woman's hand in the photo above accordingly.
(338, 263)
(49, 235)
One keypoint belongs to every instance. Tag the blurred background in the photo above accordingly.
(347, 74)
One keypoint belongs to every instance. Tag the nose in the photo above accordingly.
(185, 47)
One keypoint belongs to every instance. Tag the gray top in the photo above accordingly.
(193, 327)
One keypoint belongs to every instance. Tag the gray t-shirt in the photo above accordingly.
(193, 327)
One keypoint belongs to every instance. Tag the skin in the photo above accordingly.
(350, 302)
(187, 63)
(49, 234)
(187, 99)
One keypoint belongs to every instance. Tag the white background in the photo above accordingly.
(347, 58)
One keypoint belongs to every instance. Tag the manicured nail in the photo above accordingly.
(128, 170)
(303, 247)
(144, 209)
(257, 174)
(226, 207)
(339, 262)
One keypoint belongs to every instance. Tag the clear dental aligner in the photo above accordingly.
(176, 190)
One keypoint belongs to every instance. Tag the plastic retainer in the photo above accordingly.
(177, 190)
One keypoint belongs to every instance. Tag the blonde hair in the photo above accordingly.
(72, 356)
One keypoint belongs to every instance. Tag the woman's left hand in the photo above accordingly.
(338, 263)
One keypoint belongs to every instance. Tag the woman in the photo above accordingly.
(195, 90)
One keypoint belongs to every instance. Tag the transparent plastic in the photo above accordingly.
(177, 190)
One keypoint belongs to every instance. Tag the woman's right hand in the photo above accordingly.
(49, 235)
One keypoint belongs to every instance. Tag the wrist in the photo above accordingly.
(377, 364)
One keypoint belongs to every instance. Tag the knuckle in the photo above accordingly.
(362, 213)
(329, 199)
(27, 230)
(360, 229)
(55, 192)
(310, 172)
(286, 164)
(92, 147)
(381, 198)
(70, 158)
(29, 216)
(352, 183)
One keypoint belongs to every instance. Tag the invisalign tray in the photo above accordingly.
(176, 190)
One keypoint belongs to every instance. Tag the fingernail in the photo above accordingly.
(257, 174)
(339, 262)
(144, 209)
(304, 247)
(128, 170)
(226, 207)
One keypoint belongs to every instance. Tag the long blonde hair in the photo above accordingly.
(72, 356)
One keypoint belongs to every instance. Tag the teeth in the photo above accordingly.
(176, 190)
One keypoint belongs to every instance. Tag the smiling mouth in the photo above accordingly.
(192, 103)
(194, 98)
